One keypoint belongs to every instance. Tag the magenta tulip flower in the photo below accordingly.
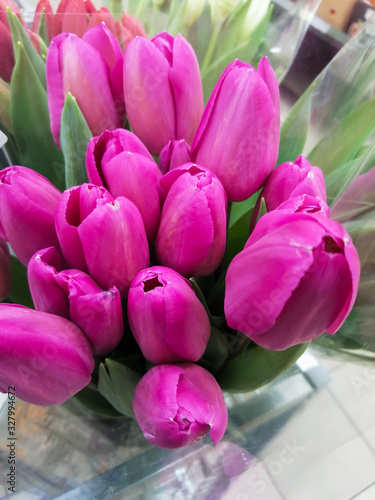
(5, 271)
(163, 90)
(46, 358)
(102, 236)
(192, 232)
(27, 206)
(167, 319)
(174, 154)
(296, 278)
(75, 295)
(176, 405)
(238, 136)
(92, 76)
(120, 162)
(293, 179)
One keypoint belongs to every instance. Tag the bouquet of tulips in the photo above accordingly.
(176, 262)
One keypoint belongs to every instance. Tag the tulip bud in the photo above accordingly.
(72, 16)
(163, 90)
(167, 319)
(72, 61)
(119, 161)
(292, 262)
(293, 179)
(128, 28)
(192, 233)
(174, 154)
(75, 296)
(47, 358)
(5, 271)
(238, 135)
(49, 18)
(6, 44)
(102, 235)
(176, 405)
(27, 207)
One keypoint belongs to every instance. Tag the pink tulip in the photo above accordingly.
(293, 179)
(176, 405)
(91, 76)
(296, 278)
(27, 206)
(163, 90)
(102, 236)
(5, 271)
(46, 358)
(119, 161)
(174, 154)
(75, 296)
(48, 15)
(72, 16)
(305, 204)
(192, 233)
(167, 319)
(238, 135)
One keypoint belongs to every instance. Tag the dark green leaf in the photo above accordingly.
(256, 367)
(20, 286)
(31, 123)
(216, 351)
(117, 384)
(74, 138)
(95, 402)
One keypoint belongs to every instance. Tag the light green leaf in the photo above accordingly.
(19, 35)
(74, 138)
(117, 384)
(31, 123)
(294, 130)
(345, 139)
(42, 28)
(256, 367)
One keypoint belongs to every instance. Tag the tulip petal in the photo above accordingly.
(148, 96)
(46, 357)
(114, 243)
(45, 292)
(186, 83)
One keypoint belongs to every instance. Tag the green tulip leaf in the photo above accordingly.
(256, 367)
(19, 35)
(20, 293)
(117, 384)
(42, 27)
(95, 402)
(341, 144)
(31, 123)
(216, 351)
(74, 138)
(294, 130)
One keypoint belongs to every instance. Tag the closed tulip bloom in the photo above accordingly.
(176, 405)
(192, 232)
(6, 45)
(296, 278)
(5, 271)
(27, 206)
(120, 162)
(293, 179)
(174, 154)
(73, 16)
(163, 90)
(74, 65)
(167, 319)
(238, 135)
(102, 235)
(48, 16)
(75, 295)
(47, 358)
(128, 28)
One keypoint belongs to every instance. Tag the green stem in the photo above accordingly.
(211, 47)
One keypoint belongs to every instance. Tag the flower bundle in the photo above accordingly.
(150, 294)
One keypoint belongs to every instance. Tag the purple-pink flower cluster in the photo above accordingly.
(127, 243)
